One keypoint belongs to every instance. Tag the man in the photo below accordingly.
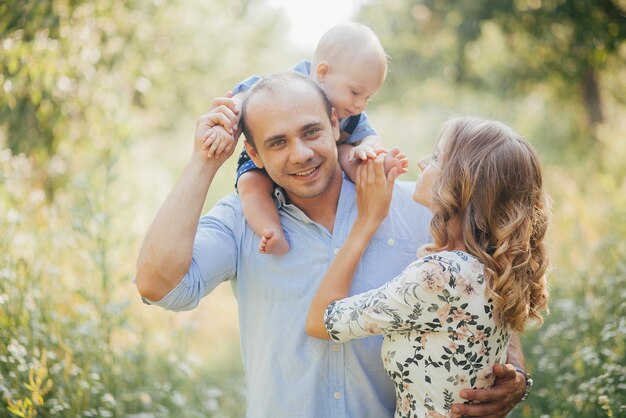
(290, 131)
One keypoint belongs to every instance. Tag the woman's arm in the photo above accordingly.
(374, 192)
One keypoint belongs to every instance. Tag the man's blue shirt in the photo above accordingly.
(288, 373)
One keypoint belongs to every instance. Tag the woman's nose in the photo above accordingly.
(423, 162)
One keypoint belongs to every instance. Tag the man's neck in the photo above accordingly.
(322, 209)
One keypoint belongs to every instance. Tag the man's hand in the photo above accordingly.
(496, 401)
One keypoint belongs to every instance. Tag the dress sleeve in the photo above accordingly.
(419, 298)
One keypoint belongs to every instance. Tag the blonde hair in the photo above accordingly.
(491, 180)
(343, 42)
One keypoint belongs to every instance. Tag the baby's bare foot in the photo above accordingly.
(273, 242)
(395, 158)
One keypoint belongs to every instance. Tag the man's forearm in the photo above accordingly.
(167, 249)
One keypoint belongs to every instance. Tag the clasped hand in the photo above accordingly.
(216, 131)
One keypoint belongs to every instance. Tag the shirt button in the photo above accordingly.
(391, 242)
(337, 395)
(336, 250)
(336, 347)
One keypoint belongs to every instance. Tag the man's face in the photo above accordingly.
(295, 139)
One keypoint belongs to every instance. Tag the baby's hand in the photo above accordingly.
(216, 140)
(362, 152)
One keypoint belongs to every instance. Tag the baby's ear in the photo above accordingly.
(322, 70)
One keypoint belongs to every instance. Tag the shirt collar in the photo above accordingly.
(346, 197)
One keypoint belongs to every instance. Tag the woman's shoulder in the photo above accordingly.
(454, 271)
(456, 259)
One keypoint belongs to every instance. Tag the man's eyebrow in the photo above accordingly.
(311, 125)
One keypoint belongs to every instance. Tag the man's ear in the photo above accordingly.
(334, 122)
(322, 71)
(254, 156)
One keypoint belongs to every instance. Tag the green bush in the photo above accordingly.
(60, 312)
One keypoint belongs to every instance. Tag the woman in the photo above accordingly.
(448, 316)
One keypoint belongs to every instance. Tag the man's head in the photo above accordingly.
(350, 65)
(290, 130)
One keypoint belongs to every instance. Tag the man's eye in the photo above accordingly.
(354, 93)
(277, 143)
(311, 132)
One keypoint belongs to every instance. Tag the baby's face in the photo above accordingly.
(349, 87)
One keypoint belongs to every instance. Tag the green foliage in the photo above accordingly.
(75, 73)
(565, 45)
(64, 310)
(579, 356)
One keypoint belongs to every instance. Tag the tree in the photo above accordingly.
(99, 72)
(565, 42)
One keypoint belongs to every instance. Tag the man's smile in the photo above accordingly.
(306, 172)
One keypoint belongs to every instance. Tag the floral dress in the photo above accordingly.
(440, 331)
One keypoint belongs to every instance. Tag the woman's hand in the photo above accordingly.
(374, 191)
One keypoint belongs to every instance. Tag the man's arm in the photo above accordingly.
(506, 392)
(167, 249)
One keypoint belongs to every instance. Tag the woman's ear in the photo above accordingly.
(322, 71)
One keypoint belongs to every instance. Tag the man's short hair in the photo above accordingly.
(273, 83)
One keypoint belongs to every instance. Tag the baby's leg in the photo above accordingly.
(255, 191)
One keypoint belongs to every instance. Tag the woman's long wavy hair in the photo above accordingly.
(491, 180)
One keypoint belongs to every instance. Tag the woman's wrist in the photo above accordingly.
(365, 227)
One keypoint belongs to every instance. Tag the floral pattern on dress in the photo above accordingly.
(440, 333)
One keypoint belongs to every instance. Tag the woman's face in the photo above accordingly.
(430, 166)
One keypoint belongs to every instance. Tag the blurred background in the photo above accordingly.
(98, 101)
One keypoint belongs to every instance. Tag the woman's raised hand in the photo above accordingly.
(374, 191)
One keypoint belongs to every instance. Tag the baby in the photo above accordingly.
(350, 66)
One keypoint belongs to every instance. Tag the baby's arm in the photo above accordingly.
(255, 191)
(350, 155)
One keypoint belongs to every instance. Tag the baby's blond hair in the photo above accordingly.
(346, 41)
